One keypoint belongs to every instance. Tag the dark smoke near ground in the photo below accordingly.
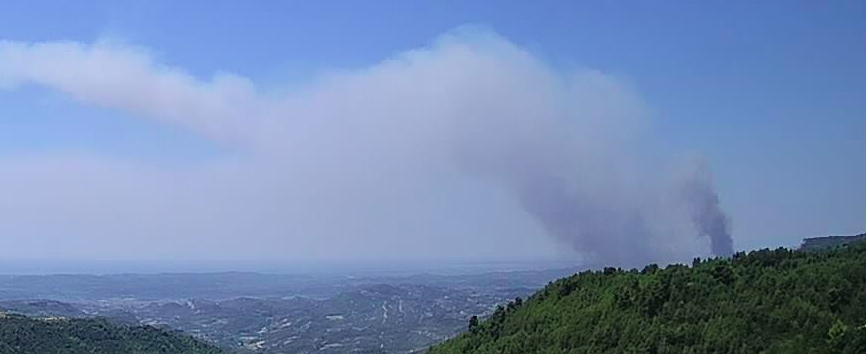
(627, 232)
(708, 216)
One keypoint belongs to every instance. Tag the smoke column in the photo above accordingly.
(707, 214)
(349, 158)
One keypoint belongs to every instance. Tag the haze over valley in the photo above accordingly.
(433, 177)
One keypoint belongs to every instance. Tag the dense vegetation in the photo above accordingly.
(23, 335)
(768, 301)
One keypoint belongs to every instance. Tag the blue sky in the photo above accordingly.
(770, 93)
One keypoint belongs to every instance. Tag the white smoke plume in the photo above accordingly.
(360, 152)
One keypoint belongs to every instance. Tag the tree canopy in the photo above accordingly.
(767, 301)
(24, 335)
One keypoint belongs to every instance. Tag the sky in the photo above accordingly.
(160, 130)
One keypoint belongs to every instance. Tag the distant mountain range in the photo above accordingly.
(229, 285)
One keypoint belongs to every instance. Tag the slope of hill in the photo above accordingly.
(24, 335)
(768, 301)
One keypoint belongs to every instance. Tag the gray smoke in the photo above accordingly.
(622, 234)
(352, 157)
(599, 212)
(707, 214)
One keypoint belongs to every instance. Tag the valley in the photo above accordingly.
(273, 314)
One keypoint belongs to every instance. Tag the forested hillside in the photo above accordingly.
(23, 335)
(768, 301)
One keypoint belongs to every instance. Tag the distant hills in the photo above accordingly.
(230, 285)
(41, 308)
(281, 313)
(376, 318)
(23, 335)
(812, 244)
(767, 301)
